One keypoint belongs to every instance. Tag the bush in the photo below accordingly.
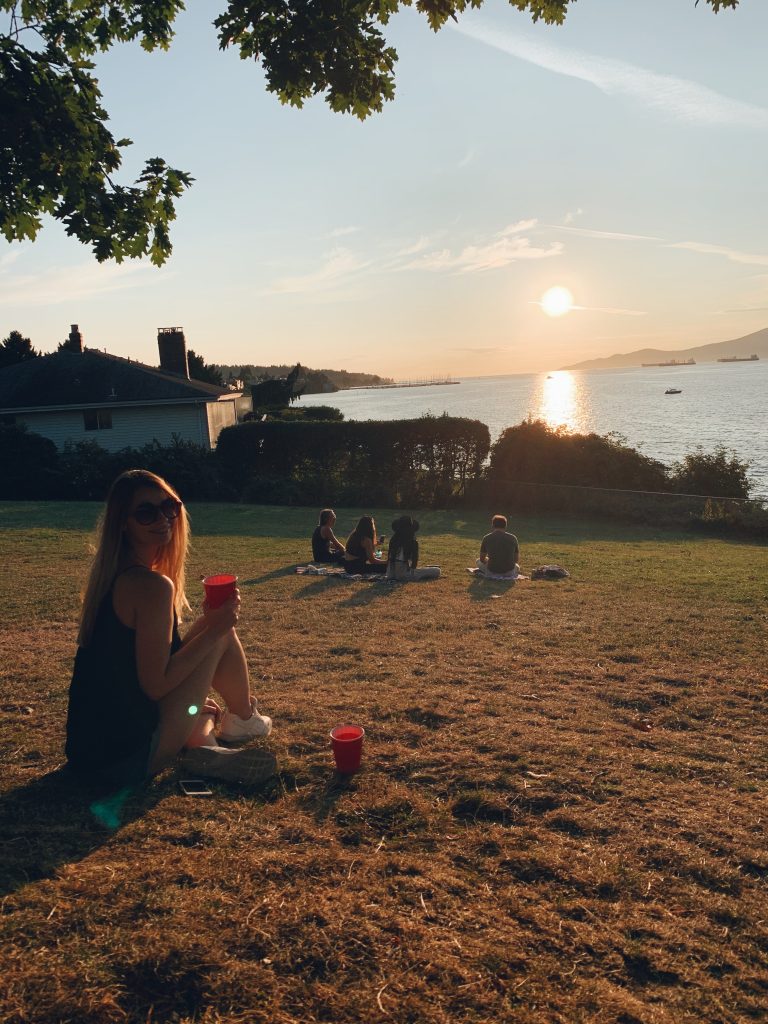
(720, 474)
(746, 518)
(188, 467)
(426, 462)
(533, 452)
(29, 464)
(313, 413)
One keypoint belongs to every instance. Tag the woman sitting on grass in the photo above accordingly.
(360, 556)
(404, 553)
(139, 692)
(325, 546)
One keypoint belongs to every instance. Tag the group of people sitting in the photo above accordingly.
(499, 550)
(361, 553)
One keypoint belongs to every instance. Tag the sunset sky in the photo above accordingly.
(621, 156)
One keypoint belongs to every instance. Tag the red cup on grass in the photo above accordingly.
(347, 741)
(219, 589)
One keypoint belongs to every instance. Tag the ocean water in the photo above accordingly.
(719, 404)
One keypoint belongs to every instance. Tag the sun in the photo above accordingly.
(557, 301)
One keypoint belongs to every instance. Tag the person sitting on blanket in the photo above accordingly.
(325, 546)
(499, 550)
(404, 553)
(360, 556)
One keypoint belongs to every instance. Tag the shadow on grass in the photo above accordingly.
(321, 802)
(366, 594)
(284, 570)
(485, 589)
(55, 820)
(317, 586)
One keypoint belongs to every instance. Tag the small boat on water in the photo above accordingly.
(673, 391)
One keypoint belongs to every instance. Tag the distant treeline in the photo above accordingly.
(312, 457)
(317, 381)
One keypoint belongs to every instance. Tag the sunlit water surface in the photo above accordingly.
(720, 404)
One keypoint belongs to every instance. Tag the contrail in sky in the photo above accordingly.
(678, 97)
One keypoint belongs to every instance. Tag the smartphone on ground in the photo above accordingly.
(195, 787)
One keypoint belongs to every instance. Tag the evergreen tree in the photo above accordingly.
(16, 349)
(200, 370)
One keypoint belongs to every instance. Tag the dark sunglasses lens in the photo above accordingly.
(170, 508)
(145, 514)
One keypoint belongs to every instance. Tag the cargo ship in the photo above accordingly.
(673, 362)
(739, 359)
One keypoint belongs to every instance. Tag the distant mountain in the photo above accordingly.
(756, 343)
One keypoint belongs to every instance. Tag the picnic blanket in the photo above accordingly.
(496, 575)
(340, 573)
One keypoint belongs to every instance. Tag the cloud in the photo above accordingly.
(518, 228)
(618, 236)
(67, 284)
(734, 255)
(421, 243)
(466, 160)
(571, 216)
(339, 265)
(342, 232)
(10, 257)
(491, 256)
(673, 97)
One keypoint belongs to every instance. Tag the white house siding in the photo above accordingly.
(220, 415)
(132, 427)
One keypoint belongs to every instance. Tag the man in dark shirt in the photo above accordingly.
(499, 550)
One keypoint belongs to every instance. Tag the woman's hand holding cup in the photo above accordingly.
(224, 618)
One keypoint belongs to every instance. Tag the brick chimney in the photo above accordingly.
(173, 351)
(75, 339)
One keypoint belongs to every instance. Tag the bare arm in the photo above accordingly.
(483, 551)
(370, 555)
(327, 534)
(151, 597)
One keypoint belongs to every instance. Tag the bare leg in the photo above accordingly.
(176, 722)
(231, 678)
(202, 734)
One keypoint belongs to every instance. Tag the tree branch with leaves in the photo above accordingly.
(57, 156)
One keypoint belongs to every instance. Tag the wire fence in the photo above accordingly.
(662, 507)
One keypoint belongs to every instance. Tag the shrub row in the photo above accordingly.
(431, 462)
(425, 463)
(32, 468)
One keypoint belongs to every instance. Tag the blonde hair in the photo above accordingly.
(112, 546)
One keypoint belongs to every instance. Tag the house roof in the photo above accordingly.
(95, 378)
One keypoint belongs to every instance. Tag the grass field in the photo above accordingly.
(561, 817)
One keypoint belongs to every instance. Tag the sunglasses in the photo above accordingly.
(147, 513)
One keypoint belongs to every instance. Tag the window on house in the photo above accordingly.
(97, 419)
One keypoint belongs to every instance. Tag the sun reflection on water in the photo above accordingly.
(559, 400)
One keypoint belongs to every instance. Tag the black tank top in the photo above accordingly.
(320, 547)
(109, 717)
(355, 547)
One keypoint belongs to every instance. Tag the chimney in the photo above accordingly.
(173, 351)
(75, 340)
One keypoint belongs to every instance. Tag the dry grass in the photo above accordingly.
(561, 816)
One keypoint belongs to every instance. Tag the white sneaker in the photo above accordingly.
(250, 765)
(240, 730)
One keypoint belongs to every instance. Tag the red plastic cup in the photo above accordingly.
(347, 741)
(219, 589)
